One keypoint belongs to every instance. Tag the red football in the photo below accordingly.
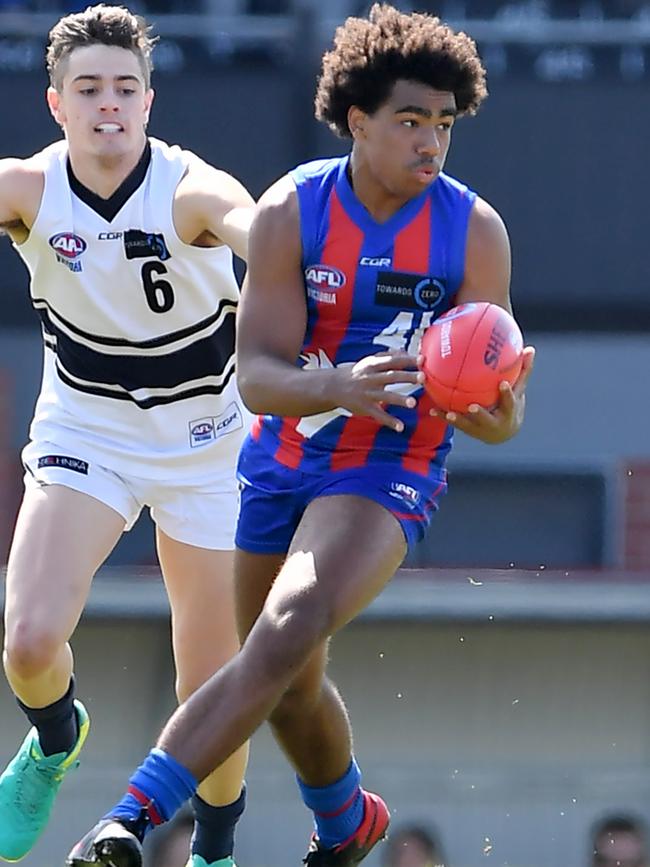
(467, 352)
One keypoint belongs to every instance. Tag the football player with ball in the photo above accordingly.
(351, 260)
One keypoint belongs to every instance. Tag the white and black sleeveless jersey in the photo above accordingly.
(139, 327)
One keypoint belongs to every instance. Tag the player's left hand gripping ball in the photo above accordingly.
(501, 423)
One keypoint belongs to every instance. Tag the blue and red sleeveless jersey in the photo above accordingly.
(370, 287)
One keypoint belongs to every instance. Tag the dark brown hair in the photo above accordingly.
(371, 54)
(99, 25)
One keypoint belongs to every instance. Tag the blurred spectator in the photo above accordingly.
(269, 7)
(586, 9)
(413, 846)
(170, 847)
(526, 10)
(619, 841)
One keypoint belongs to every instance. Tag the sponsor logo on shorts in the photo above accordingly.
(201, 431)
(68, 248)
(64, 462)
(406, 494)
(211, 428)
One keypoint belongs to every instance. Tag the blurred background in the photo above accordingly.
(500, 687)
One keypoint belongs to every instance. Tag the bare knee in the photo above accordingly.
(185, 688)
(31, 648)
(196, 662)
(289, 631)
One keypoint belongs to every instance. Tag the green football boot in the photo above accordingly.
(28, 788)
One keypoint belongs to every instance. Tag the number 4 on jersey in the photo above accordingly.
(401, 335)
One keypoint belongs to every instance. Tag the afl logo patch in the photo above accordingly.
(324, 277)
(206, 430)
(407, 494)
(68, 248)
(201, 431)
(323, 281)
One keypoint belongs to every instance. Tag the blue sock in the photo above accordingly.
(214, 831)
(161, 784)
(338, 808)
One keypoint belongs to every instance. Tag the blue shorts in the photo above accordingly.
(274, 497)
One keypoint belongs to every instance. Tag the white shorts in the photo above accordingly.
(203, 515)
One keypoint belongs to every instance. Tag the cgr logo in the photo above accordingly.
(324, 277)
(226, 422)
(109, 236)
(68, 245)
(375, 262)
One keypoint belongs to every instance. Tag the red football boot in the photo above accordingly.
(353, 850)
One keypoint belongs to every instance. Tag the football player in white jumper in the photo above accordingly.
(129, 245)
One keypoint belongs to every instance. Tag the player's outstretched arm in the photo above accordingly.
(271, 328)
(210, 200)
(487, 278)
(21, 188)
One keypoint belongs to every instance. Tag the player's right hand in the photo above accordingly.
(372, 383)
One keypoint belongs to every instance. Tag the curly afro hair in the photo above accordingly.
(371, 54)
